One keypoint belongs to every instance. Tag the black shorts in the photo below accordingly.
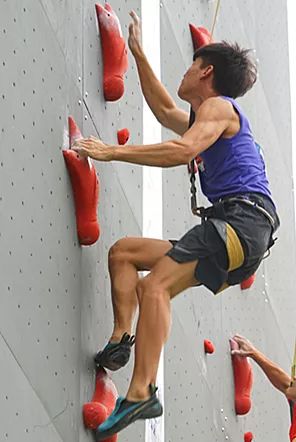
(229, 244)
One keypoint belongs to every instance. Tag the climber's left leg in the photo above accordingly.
(166, 279)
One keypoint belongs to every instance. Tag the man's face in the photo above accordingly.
(192, 81)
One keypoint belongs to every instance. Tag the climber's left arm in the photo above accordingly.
(212, 120)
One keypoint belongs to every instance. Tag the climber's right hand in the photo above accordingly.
(134, 39)
(246, 348)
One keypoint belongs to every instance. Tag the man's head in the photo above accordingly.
(221, 69)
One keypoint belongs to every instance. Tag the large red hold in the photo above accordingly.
(115, 60)
(200, 36)
(102, 403)
(85, 188)
(243, 381)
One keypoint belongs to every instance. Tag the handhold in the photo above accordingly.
(247, 283)
(115, 60)
(243, 381)
(248, 437)
(102, 403)
(209, 346)
(85, 188)
(200, 36)
(123, 136)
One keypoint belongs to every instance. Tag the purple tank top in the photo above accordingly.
(233, 166)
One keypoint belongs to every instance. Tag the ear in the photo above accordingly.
(207, 71)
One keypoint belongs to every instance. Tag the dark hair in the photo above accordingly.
(234, 70)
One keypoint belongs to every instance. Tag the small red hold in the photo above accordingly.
(248, 437)
(200, 36)
(85, 186)
(115, 59)
(123, 136)
(209, 346)
(102, 403)
(243, 381)
(247, 283)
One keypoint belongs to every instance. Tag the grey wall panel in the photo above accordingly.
(55, 295)
(40, 287)
(265, 312)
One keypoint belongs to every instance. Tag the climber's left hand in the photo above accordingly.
(94, 148)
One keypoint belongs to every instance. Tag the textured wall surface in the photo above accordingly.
(199, 389)
(55, 296)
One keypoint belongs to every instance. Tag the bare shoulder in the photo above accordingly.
(217, 106)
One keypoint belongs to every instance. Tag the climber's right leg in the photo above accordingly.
(127, 257)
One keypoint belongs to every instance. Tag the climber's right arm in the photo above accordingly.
(157, 97)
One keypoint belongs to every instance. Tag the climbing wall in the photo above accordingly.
(199, 388)
(55, 295)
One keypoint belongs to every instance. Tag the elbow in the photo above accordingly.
(186, 152)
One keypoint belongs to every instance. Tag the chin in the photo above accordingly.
(180, 93)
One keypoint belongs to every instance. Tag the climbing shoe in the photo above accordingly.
(116, 354)
(126, 412)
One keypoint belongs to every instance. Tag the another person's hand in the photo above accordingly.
(94, 148)
(246, 348)
(134, 38)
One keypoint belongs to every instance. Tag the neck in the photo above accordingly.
(203, 96)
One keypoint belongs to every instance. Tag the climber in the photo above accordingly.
(278, 377)
(235, 233)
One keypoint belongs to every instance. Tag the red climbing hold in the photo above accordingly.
(292, 432)
(243, 381)
(200, 36)
(247, 283)
(123, 136)
(85, 187)
(114, 50)
(209, 346)
(102, 403)
(248, 437)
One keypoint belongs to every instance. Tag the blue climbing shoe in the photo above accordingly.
(116, 354)
(127, 412)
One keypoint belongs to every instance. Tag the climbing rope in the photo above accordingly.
(293, 372)
(215, 17)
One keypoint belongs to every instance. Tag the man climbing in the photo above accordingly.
(278, 377)
(229, 244)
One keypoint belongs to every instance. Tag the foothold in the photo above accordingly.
(247, 283)
(200, 36)
(85, 186)
(209, 346)
(115, 59)
(243, 381)
(102, 403)
(123, 136)
(248, 437)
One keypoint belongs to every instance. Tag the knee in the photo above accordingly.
(118, 251)
(151, 289)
